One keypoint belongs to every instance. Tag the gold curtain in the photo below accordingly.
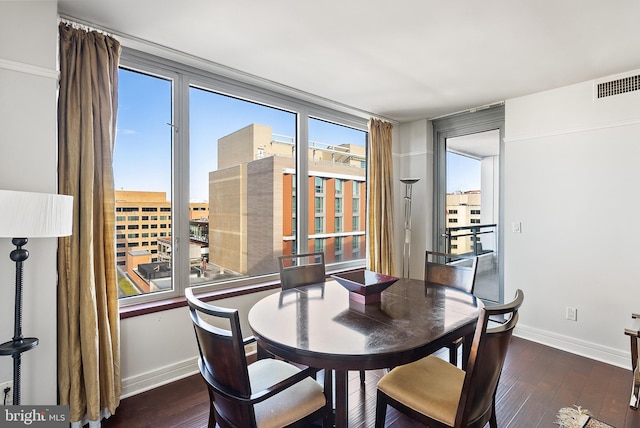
(380, 199)
(88, 320)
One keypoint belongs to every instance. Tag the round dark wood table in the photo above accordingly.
(319, 326)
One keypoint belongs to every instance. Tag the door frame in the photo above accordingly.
(457, 125)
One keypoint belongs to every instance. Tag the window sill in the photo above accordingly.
(179, 302)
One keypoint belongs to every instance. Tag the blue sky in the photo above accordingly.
(142, 156)
(463, 173)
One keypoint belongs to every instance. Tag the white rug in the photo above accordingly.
(577, 417)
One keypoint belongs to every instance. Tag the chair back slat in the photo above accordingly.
(222, 360)
(488, 353)
(451, 270)
(301, 269)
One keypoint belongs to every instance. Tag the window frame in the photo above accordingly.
(234, 84)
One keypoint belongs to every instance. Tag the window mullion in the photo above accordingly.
(180, 185)
(302, 177)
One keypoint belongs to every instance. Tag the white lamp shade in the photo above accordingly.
(35, 215)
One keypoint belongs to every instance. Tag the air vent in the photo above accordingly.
(619, 86)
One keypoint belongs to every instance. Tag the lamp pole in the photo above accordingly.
(406, 247)
(18, 344)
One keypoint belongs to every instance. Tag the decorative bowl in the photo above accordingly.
(365, 286)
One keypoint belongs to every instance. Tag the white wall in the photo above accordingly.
(572, 179)
(28, 85)
(161, 347)
(415, 161)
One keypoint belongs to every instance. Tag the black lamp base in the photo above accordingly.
(18, 344)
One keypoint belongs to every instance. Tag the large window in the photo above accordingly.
(228, 177)
(242, 164)
(142, 163)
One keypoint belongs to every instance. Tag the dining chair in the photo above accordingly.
(267, 393)
(452, 270)
(441, 395)
(634, 332)
(303, 269)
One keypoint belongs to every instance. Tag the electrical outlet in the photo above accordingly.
(572, 314)
(6, 398)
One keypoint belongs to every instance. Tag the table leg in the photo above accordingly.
(466, 350)
(328, 389)
(341, 398)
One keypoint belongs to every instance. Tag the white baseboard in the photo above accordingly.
(583, 348)
(155, 378)
(152, 379)
(171, 373)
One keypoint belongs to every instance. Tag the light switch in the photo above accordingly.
(516, 227)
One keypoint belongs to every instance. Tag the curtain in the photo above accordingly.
(380, 199)
(88, 320)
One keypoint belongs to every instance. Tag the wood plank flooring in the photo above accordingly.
(536, 382)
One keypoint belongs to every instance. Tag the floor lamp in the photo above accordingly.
(28, 215)
(406, 248)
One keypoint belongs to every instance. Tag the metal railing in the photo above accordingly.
(482, 239)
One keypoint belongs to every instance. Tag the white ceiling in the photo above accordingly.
(402, 60)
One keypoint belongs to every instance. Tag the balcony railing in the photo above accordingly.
(476, 239)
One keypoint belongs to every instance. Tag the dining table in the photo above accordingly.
(320, 326)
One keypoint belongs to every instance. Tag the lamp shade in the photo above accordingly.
(35, 215)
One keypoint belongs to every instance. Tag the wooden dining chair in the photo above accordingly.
(441, 395)
(301, 269)
(266, 393)
(634, 333)
(451, 270)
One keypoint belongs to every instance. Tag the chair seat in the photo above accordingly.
(430, 386)
(288, 406)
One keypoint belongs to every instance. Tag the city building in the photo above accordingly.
(252, 201)
(463, 209)
(143, 238)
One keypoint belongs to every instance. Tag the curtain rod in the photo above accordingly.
(469, 110)
(82, 26)
(128, 40)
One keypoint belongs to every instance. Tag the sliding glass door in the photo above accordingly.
(467, 193)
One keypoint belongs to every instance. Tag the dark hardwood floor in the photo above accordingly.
(536, 382)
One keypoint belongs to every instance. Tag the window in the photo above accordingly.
(475, 221)
(241, 153)
(338, 184)
(475, 212)
(142, 170)
(339, 163)
(338, 243)
(246, 173)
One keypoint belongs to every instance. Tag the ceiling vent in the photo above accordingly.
(618, 86)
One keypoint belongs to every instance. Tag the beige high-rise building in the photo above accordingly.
(252, 196)
(463, 209)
